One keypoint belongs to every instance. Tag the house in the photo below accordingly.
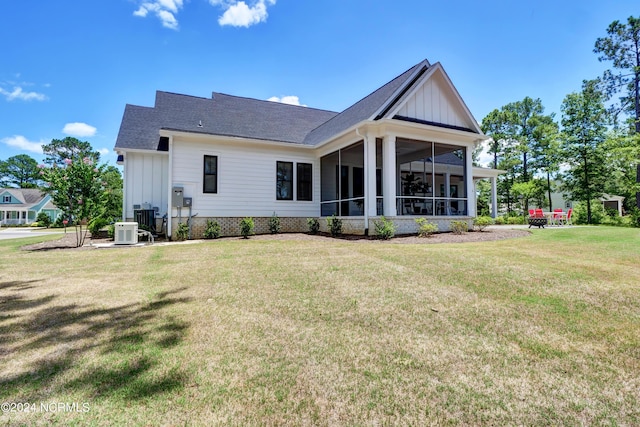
(22, 206)
(403, 151)
(611, 202)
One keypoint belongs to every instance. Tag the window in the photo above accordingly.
(304, 181)
(6, 199)
(284, 180)
(210, 175)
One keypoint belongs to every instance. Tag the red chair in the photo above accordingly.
(532, 213)
(558, 216)
(539, 213)
(568, 221)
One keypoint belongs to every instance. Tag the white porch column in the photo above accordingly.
(494, 197)
(389, 175)
(468, 176)
(370, 175)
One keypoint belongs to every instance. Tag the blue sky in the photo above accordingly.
(69, 67)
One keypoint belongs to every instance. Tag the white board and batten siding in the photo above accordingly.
(435, 102)
(146, 180)
(246, 178)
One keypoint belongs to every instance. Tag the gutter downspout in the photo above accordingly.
(170, 188)
(366, 182)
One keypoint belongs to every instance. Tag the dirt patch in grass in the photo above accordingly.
(68, 241)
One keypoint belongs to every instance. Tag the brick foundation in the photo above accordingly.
(230, 226)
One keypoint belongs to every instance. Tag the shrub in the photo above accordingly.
(182, 232)
(111, 231)
(274, 224)
(335, 225)
(385, 228)
(96, 224)
(313, 224)
(634, 214)
(212, 230)
(482, 222)
(426, 228)
(246, 227)
(499, 220)
(580, 212)
(459, 227)
(43, 220)
(515, 220)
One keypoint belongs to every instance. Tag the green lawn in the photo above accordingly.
(543, 330)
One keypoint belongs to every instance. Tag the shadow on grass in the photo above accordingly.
(110, 352)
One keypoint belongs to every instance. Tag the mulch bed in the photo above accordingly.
(68, 241)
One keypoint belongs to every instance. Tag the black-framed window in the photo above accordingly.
(210, 175)
(284, 180)
(304, 182)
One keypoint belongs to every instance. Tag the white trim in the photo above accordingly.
(437, 67)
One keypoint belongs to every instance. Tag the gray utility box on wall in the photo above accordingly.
(177, 197)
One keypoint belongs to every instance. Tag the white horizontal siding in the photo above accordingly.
(246, 179)
(435, 102)
(146, 180)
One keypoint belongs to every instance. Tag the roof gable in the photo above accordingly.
(434, 100)
(23, 196)
(369, 107)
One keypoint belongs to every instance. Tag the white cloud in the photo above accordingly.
(164, 10)
(79, 129)
(18, 93)
(291, 100)
(240, 14)
(104, 151)
(22, 143)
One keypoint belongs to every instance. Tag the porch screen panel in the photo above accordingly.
(342, 182)
(450, 180)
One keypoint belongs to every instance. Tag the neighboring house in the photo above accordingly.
(22, 206)
(562, 201)
(404, 150)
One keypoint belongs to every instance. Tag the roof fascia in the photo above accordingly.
(400, 91)
(225, 138)
(437, 67)
(479, 173)
(139, 150)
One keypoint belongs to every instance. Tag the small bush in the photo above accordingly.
(111, 231)
(274, 224)
(34, 224)
(212, 230)
(43, 220)
(515, 220)
(426, 228)
(246, 227)
(459, 227)
(499, 220)
(182, 232)
(335, 225)
(96, 224)
(385, 228)
(482, 222)
(313, 224)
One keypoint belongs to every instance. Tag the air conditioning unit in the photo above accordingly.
(126, 233)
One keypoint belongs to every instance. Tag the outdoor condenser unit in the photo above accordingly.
(126, 233)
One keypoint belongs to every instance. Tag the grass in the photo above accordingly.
(543, 330)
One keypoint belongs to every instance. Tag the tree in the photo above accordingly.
(19, 171)
(77, 188)
(68, 148)
(622, 150)
(521, 136)
(584, 131)
(622, 47)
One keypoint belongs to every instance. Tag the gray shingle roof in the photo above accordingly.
(27, 196)
(233, 116)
